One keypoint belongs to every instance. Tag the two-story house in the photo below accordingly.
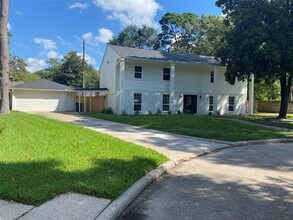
(143, 81)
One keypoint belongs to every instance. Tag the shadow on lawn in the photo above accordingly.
(37, 182)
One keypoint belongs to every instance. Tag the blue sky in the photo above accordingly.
(50, 28)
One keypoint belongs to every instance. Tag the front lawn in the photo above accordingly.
(269, 119)
(197, 126)
(41, 158)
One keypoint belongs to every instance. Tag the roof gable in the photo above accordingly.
(42, 84)
(156, 55)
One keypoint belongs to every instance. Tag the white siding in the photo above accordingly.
(189, 80)
(43, 101)
(108, 77)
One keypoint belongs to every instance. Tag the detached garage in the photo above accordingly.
(42, 95)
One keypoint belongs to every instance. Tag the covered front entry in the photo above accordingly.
(190, 104)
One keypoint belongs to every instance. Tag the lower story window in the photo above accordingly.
(211, 103)
(137, 102)
(231, 104)
(166, 103)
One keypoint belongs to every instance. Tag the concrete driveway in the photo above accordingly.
(251, 182)
(175, 147)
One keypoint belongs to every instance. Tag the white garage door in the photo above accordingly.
(43, 101)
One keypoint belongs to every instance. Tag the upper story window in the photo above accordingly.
(231, 104)
(137, 102)
(212, 76)
(211, 103)
(138, 72)
(166, 74)
(166, 102)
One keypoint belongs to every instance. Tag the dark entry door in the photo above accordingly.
(190, 104)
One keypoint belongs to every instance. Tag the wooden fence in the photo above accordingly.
(271, 106)
(93, 104)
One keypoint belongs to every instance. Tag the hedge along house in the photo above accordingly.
(143, 81)
(45, 95)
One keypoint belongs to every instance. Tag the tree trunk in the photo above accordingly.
(4, 57)
(286, 83)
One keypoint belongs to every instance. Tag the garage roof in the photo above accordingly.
(43, 84)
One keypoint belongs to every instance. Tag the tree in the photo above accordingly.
(187, 33)
(267, 89)
(16, 65)
(260, 41)
(139, 37)
(4, 57)
(71, 69)
(91, 77)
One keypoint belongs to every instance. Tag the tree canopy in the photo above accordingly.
(69, 71)
(181, 33)
(144, 37)
(260, 41)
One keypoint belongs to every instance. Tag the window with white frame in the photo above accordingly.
(211, 103)
(138, 72)
(137, 102)
(212, 76)
(166, 103)
(231, 104)
(166, 73)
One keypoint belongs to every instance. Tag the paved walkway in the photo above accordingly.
(81, 207)
(251, 182)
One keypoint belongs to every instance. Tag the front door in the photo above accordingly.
(190, 104)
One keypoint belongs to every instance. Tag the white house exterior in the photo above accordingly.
(146, 81)
(42, 95)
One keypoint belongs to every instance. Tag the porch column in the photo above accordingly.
(121, 77)
(251, 94)
(90, 101)
(216, 89)
(79, 107)
(84, 101)
(172, 87)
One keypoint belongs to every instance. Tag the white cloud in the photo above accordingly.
(46, 43)
(78, 5)
(104, 35)
(131, 12)
(90, 60)
(35, 64)
(50, 54)
(20, 13)
(88, 36)
(9, 26)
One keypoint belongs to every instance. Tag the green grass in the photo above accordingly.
(197, 126)
(269, 119)
(41, 158)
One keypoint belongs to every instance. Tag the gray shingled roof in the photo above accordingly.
(42, 84)
(136, 53)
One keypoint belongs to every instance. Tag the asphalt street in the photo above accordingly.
(249, 182)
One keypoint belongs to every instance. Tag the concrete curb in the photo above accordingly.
(266, 141)
(114, 210)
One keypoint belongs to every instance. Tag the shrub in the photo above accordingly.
(150, 112)
(159, 112)
(107, 111)
(124, 112)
